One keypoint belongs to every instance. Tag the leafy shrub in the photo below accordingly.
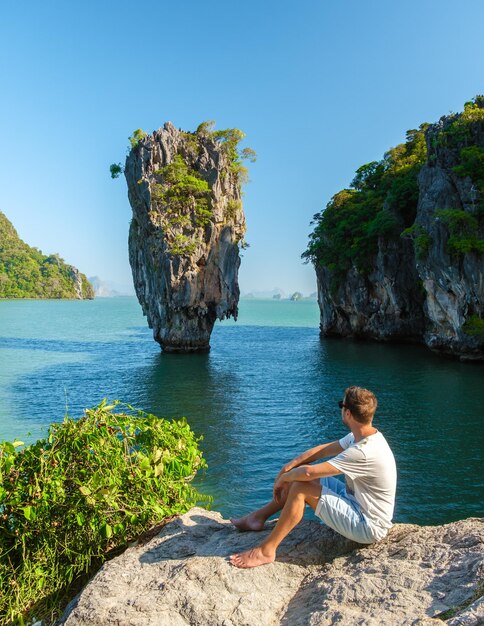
(136, 137)
(116, 170)
(233, 206)
(474, 325)
(382, 195)
(183, 245)
(464, 231)
(459, 130)
(421, 240)
(93, 485)
(472, 165)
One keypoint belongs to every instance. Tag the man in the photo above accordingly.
(361, 509)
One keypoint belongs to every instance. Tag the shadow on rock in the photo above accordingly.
(196, 535)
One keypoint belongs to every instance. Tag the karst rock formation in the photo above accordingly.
(429, 290)
(187, 229)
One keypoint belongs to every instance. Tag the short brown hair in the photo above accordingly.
(362, 404)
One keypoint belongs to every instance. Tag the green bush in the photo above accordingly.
(472, 165)
(474, 325)
(384, 194)
(421, 240)
(464, 231)
(136, 137)
(69, 501)
(458, 131)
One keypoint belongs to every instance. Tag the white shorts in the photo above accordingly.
(341, 511)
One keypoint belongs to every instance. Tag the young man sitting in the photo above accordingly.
(361, 508)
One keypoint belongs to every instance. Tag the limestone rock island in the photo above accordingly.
(400, 254)
(187, 228)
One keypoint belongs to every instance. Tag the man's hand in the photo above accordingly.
(278, 490)
(285, 468)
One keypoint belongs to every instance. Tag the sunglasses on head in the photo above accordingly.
(341, 404)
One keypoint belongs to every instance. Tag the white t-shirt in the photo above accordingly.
(371, 476)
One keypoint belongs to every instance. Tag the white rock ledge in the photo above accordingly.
(182, 577)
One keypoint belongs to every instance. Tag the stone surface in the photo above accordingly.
(424, 300)
(454, 287)
(183, 294)
(182, 577)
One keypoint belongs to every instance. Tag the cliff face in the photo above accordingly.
(27, 273)
(423, 283)
(185, 234)
(453, 283)
(385, 304)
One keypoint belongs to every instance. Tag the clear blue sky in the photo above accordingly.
(319, 87)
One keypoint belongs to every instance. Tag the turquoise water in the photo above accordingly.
(267, 390)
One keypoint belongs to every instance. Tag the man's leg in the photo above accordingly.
(300, 494)
(257, 519)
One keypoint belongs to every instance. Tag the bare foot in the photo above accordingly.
(248, 522)
(252, 558)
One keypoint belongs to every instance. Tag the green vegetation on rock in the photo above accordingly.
(381, 203)
(421, 240)
(136, 137)
(381, 200)
(464, 231)
(27, 273)
(72, 500)
(474, 325)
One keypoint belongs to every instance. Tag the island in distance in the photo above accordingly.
(277, 294)
(27, 273)
(107, 289)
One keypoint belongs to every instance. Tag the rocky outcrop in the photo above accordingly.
(429, 286)
(453, 283)
(182, 577)
(187, 226)
(386, 304)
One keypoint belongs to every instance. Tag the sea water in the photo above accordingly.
(267, 390)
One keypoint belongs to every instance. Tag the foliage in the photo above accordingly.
(205, 128)
(27, 273)
(233, 206)
(383, 194)
(90, 487)
(116, 170)
(421, 240)
(136, 137)
(474, 325)
(383, 198)
(464, 231)
(182, 199)
(459, 130)
(472, 165)
(183, 245)
(229, 139)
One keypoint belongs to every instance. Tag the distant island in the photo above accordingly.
(278, 294)
(27, 273)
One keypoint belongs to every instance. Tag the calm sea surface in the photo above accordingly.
(267, 391)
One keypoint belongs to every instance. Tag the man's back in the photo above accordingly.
(371, 476)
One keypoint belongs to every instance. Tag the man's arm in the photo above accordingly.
(303, 473)
(314, 454)
(310, 472)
